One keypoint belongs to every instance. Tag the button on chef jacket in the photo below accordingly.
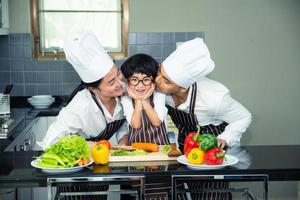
(82, 116)
(214, 105)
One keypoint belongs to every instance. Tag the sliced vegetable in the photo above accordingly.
(146, 146)
(196, 156)
(122, 152)
(51, 156)
(214, 156)
(191, 141)
(166, 149)
(46, 165)
(208, 141)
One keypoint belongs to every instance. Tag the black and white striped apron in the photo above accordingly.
(106, 134)
(154, 189)
(186, 123)
(148, 132)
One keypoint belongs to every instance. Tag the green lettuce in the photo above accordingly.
(70, 149)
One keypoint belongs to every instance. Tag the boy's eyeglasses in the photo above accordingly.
(135, 81)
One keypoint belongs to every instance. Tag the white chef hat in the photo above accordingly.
(188, 63)
(90, 60)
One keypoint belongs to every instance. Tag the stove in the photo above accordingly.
(7, 124)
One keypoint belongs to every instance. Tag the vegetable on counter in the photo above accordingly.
(105, 142)
(122, 152)
(67, 152)
(214, 156)
(166, 149)
(100, 153)
(196, 156)
(191, 141)
(146, 146)
(207, 141)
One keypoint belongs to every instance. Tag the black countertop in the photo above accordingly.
(280, 163)
(22, 113)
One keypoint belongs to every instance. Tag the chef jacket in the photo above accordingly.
(159, 101)
(83, 117)
(214, 105)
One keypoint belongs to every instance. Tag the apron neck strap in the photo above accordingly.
(99, 106)
(193, 98)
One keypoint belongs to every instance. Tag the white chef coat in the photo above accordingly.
(159, 102)
(83, 116)
(214, 105)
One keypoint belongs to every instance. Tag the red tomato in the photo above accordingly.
(105, 142)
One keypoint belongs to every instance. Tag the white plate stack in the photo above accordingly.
(41, 101)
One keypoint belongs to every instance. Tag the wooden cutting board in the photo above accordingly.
(154, 156)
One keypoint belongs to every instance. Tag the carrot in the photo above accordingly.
(80, 162)
(145, 146)
(85, 160)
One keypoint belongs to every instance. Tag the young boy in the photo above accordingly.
(144, 108)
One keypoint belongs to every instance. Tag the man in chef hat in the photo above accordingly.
(193, 99)
(94, 112)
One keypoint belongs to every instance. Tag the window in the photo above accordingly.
(53, 20)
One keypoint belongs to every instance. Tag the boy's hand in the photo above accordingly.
(150, 92)
(131, 94)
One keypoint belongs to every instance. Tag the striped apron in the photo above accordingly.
(148, 132)
(186, 123)
(106, 134)
(154, 189)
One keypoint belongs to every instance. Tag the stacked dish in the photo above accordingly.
(41, 101)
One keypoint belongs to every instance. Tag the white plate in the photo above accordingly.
(60, 170)
(230, 160)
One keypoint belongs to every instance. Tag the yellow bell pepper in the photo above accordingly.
(100, 153)
(196, 156)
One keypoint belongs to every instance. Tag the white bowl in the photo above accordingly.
(42, 98)
(41, 102)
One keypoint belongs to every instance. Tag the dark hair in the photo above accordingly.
(140, 63)
(82, 86)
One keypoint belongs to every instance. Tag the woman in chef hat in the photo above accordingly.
(95, 112)
(193, 99)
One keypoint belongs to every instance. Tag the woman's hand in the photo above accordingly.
(124, 140)
(91, 143)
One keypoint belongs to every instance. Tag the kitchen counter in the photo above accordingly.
(22, 114)
(280, 163)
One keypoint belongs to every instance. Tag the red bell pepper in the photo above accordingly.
(214, 156)
(191, 141)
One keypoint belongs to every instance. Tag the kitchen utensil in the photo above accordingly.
(4, 104)
(174, 152)
(8, 89)
(126, 148)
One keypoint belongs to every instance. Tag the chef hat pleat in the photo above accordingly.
(189, 63)
(88, 57)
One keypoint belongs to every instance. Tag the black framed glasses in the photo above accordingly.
(135, 81)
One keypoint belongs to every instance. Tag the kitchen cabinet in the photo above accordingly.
(8, 194)
(4, 17)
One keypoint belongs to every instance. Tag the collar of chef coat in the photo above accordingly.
(185, 105)
(107, 114)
